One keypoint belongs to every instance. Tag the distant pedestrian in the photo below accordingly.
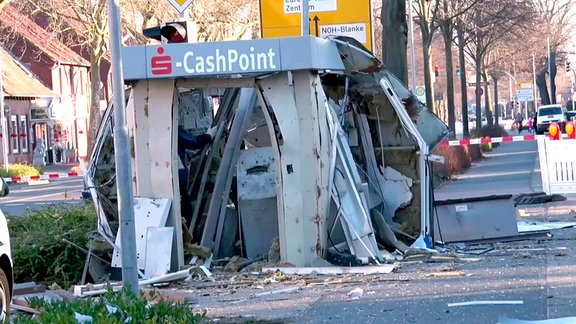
(530, 125)
(519, 119)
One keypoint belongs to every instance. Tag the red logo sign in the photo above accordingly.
(161, 64)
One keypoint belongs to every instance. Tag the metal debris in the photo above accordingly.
(486, 302)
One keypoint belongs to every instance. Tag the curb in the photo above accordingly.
(536, 174)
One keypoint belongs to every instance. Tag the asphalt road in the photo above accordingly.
(536, 276)
(512, 168)
(24, 197)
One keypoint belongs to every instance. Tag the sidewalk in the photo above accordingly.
(60, 168)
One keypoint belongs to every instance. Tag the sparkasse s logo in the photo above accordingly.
(161, 64)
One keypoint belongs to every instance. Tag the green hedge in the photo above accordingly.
(43, 244)
(19, 170)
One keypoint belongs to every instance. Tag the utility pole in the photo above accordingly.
(412, 55)
(122, 155)
(4, 123)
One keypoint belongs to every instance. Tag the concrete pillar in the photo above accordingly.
(152, 118)
(299, 105)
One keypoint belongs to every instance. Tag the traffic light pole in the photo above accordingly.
(122, 156)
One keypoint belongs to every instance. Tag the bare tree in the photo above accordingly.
(225, 20)
(493, 21)
(84, 24)
(426, 12)
(553, 24)
(215, 21)
(450, 11)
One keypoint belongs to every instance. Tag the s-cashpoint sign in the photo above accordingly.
(212, 59)
(232, 59)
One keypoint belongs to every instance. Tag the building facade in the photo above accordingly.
(25, 125)
(63, 122)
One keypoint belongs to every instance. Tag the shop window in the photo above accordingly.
(14, 134)
(24, 136)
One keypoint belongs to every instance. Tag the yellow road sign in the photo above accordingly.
(180, 5)
(524, 85)
(353, 18)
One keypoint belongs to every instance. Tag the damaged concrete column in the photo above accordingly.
(152, 116)
(299, 105)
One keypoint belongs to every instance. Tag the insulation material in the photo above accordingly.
(148, 212)
(158, 251)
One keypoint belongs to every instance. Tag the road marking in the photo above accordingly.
(36, 198)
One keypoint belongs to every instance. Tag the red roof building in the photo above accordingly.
(60, 69)
(26, 100)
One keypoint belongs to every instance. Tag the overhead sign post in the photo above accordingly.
(282, 18)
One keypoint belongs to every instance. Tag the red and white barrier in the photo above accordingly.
(503, 139)
(487, 140)
(48, 176)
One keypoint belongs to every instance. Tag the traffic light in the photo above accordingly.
(554, 131)
(457, 70)
(172, 32)
(567, 66)
(436, 70)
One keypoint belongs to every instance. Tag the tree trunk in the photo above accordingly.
(95, 88)
(447, 34)
(478, 92)
(427, 59)
(552, 77)
(394, 38)
(487, 102)
(541, 84)
(463, 81)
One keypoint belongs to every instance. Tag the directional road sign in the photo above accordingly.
(524, 91)
(280, 18)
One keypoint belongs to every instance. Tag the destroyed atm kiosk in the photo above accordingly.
(313, 138)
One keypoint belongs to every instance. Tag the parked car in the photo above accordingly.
(571, 116)
(6, 277)
(549, 114)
